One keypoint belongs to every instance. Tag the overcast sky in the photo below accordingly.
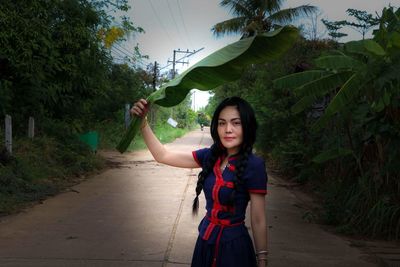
(186, 24)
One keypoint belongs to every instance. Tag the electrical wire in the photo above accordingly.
(160, 22)
(176, 25)
(183, 23)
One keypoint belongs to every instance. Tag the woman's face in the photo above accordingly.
(230, 129)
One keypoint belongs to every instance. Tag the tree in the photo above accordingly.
(254, 16)
(53, 63)
(364, 21)
(310, 29)
(333, 28)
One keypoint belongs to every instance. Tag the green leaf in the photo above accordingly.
(303, 103)
(131, 132)
(225, 65)
(332, 154)
(298, 79)
(374, 48)
(338, 62)
(321, 86)
(394, 40)
(313, 90)
(345, 95)
(356, 47)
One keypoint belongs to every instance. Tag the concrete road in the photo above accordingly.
(139, 214)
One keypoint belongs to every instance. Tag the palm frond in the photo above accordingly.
(238, 7)
(289, 14)
(230, 26)
(271, 6)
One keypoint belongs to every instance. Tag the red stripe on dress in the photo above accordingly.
(195, 158)
(217, 245)
(229, 184)
(208, 231)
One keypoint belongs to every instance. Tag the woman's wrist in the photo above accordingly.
(262, 257)
(144, 123)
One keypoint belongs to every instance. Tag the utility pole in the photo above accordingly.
(187, 54)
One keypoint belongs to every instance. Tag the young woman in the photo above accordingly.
(231, 176)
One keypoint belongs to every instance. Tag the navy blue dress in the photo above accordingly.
(224, 240)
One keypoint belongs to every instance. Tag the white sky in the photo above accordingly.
(186, 24)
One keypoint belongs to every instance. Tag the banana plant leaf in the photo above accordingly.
(224, 65)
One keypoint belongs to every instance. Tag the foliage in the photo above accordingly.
(333, 28)
(357, 90)
(23, 178)
(220, 67)
(255, 17)
(203, 118)
(53, 64)
(364, 21)
(56, 66)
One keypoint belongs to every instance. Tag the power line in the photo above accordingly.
(173, 19)
(124, 50)
(187, 54)
(130, 57)
(183, 23)
(176, 61)
(135, 56)
(159, 21)
(125, 59)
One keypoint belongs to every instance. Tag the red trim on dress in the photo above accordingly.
(229, 184)
(195, 158)
(208, 232)
(231, 167)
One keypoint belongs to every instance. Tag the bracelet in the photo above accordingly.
(262, 252)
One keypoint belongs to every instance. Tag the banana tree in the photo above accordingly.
(225, 65)
(366, 67)
(365, 70)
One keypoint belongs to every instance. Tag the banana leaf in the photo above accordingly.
(332, 154)
(224, 65)
(338, 62)
(298, 79)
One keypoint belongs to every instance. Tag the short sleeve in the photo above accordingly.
(201, 155)
(256, 176)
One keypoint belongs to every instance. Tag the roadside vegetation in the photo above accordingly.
(328, 118)
(328, 112)
(56, 65)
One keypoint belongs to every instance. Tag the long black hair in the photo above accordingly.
(249, 128)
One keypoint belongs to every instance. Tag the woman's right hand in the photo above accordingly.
(140, 108)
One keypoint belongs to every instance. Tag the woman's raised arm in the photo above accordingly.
(159, 152)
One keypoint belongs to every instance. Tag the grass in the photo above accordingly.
(111, 135)
(40, 168)
(45, 166)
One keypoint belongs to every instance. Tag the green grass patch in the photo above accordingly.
(40, 168)
(111, 133)
(44, 166)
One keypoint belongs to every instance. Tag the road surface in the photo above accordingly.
(138, 213)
